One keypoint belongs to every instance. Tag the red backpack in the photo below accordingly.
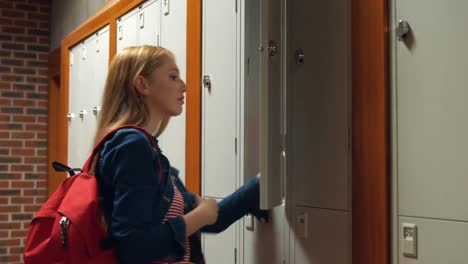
(68, 229)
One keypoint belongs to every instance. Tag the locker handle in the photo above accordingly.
(70, 116)
(120, 32)
(142, 20)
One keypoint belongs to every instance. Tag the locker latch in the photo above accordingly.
(207, 81)
(272, 49)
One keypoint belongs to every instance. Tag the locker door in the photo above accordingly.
(320, 103)
(221, 248)
(127, 30)
(173, 36)
(101, 68)
(98, 58)
(73, 104)
(430, 88)
(149, 23)
(219, 100)
(87, 84)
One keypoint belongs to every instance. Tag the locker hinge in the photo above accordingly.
(235, 255)
(236, 6)
(235, 145)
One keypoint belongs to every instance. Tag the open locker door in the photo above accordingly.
(272, 106)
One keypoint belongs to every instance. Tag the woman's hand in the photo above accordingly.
(210, 210)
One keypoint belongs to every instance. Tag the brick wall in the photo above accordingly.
(24, 48)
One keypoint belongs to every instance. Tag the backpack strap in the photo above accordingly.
(98, 146)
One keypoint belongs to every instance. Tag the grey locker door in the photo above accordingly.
(219, 101)
(149, 23)
(87, 95)
(173, 37)
(431, 98)
(221, 248)
(272, 106)
(73, 106)
(326, 239)
(430, 88)
(127, 30)
(320, 103)
(98, 63)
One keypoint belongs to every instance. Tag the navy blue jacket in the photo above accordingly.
(135, 202)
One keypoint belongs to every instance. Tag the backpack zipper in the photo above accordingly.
(64, 224)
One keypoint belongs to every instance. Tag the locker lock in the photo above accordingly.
(207, 81)
(272, 49)
(96, 110)
(300, 56)
(70, 116)
(83, 113)
(402, 30)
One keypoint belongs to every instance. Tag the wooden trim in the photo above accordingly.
(193, 114)
(53, 178)
(370, 122)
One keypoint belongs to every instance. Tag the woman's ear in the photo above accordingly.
(141, 85)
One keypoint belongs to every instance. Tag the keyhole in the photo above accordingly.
(300, 56)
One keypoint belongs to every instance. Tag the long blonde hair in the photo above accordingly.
(121, 103)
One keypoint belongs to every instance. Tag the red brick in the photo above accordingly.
(5, 86)
(42, 119)
(22, 200)
(35, 160)
(9, 242)
(4, 184)
(32, 208)
(4, 118)
(34, 192)
(41, 152)
(36, 127)
(22, 102)
(22, 135)
(22, 168)
(4, 134)
(23, 152)
(22, 184)
(13, 78)
(10, 209)
(40, 200)
(41, 135)
(26, 23)
(41, 184)
(14, 14)
(18, 250)
(11, 143)
(22, 118)
(4, 234)
(9, 226)
(10, 258)
(41, 168)
(5, 102)
(3, 200)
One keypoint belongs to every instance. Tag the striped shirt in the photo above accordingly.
(176, 209)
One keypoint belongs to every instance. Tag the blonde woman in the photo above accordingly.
(151, 217)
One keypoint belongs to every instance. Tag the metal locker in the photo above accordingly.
(127, 30)
(97, 62)
(149, 23)
(431, 106)
(173, 37)
(219, 129)
(74, 139)
(324, 236)
(221, 248)
(265, 242)
(85, 115)
(320, 103)
(438, 241)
